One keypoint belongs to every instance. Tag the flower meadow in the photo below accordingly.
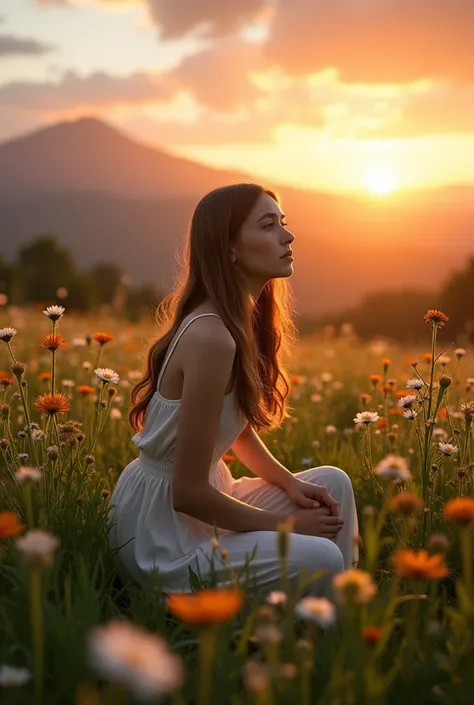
(400, 625)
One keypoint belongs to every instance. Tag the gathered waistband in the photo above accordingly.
(161, 468)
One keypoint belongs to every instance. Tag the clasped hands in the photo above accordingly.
(319, 513)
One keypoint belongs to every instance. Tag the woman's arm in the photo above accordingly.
(207, 360)
(254, 454)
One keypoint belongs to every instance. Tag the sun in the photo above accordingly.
(380, 181)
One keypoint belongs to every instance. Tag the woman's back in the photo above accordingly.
(158, 437)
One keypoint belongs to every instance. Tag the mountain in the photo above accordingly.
(107, 197)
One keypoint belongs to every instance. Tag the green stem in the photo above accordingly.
(467, 561)
(207, 644)
(30, 517)
(27, 417)
(37, 632)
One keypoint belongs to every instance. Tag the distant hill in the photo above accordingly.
(107, 197)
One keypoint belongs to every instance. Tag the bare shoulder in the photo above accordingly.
(208, 336)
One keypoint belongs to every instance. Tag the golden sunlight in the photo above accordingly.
(380, 181)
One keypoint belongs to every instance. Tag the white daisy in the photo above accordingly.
(406, 402)
(54, 313)
(12, 675)
(415, 383)
(366, 417)
(316, 609)
(106, 375)
(6, 334)
(393, 467)
(330, 430)
(115, 413)
(410, 414)
(448, 448)
(460, 352)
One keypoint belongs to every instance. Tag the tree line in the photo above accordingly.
(398, 314)
(45, 272)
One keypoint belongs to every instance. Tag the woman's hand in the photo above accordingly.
(310, 496)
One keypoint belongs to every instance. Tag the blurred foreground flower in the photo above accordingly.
(406, 503)
(206, 606)
(316, 609)
(419, 565)
(460, 511)
(38, 547)
(12, 676)
(125, 653)
(10, 525)
(393, 467)
(354, 586)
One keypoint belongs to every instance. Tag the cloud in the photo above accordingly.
(98, 89)
(16, 46)
(445, 109)
(375, 41)
(177, 18)
(220, 76)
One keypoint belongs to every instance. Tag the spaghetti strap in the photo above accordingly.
(172, 346)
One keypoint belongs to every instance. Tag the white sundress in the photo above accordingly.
(147, 534)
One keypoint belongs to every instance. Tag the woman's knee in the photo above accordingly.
(331, 476)
(317, 554)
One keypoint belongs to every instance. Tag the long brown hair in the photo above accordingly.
(264, 330)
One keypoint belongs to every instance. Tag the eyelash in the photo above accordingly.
(284, 225)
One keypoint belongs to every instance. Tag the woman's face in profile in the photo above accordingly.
(263, 247)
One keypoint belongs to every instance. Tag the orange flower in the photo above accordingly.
(296, 379)
(53, 341)
(206, 606)
(402, 393)
(10, 525)
(395, 411)
(386, 388)
(435, 318)
(386, 362)
(382, 423)
(406, 503)
(5, 379)
(427, 357)
(460, 511)
(44, 376)
(85, 389)
(372, 635)
(375, 379)
(419, 565)
(102, 338)
(443, 414)
(50, 404)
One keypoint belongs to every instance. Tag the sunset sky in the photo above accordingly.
(372, 96)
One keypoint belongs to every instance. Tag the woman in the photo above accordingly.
(213, 380)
